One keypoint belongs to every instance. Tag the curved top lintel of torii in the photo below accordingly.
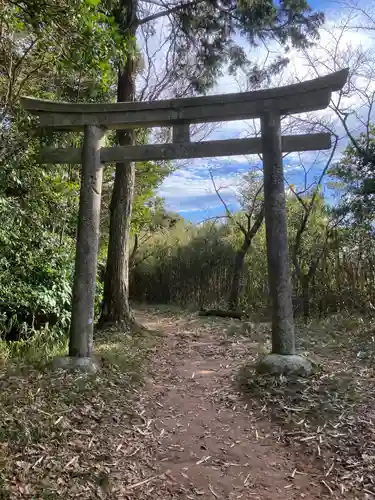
(223, 107)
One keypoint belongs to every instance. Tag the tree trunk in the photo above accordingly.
(240, 258)
(283, 337)
(116, 307)
(236, 276)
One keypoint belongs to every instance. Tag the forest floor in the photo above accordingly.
(201, 424)
(227, 433)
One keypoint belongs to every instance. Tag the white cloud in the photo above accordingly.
(185, 185)
(185, 190)
(234, 159)
(191, 184)
(292, 168)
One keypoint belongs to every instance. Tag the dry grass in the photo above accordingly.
(69, 435)
(78, 436)
(331, 415)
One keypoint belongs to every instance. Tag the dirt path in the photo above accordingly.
(210, 444)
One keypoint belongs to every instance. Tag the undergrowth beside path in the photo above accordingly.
(70, 435)
(331, 415)
(186, 417)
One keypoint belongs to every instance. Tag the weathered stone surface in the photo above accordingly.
(303, 96)
(84, 286)
(70, 363)
(281, 364)
(275, 215)
(184, 150)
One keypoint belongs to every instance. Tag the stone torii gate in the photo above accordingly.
(268, 105)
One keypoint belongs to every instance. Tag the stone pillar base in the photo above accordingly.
(285, 364)
(71, 363)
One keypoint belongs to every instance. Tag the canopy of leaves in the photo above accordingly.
(203, 35)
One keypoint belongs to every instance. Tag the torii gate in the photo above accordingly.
(268, 105)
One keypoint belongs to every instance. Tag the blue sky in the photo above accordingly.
(189, 191)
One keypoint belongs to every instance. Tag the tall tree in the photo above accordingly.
(201, 36)
(56, 50)
(248, 222)
(355, 173)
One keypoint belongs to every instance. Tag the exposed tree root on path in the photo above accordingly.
(221, 313)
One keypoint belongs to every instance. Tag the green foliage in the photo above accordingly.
(37, 348)
(316, 227)
(192, 266)
(55, 50)
(204, 37)
(355, 173)
(183, 265)
(146, 207)
(148, 212)
(61, 51)
(35, 265)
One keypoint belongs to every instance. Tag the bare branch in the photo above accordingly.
(228, 212)
(167, 12)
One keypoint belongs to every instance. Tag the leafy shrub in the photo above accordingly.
(35, 274)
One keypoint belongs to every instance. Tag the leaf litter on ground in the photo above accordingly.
(332, 414)
(78, 436)
(70, 435)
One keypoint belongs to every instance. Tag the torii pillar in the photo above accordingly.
(268, 105)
